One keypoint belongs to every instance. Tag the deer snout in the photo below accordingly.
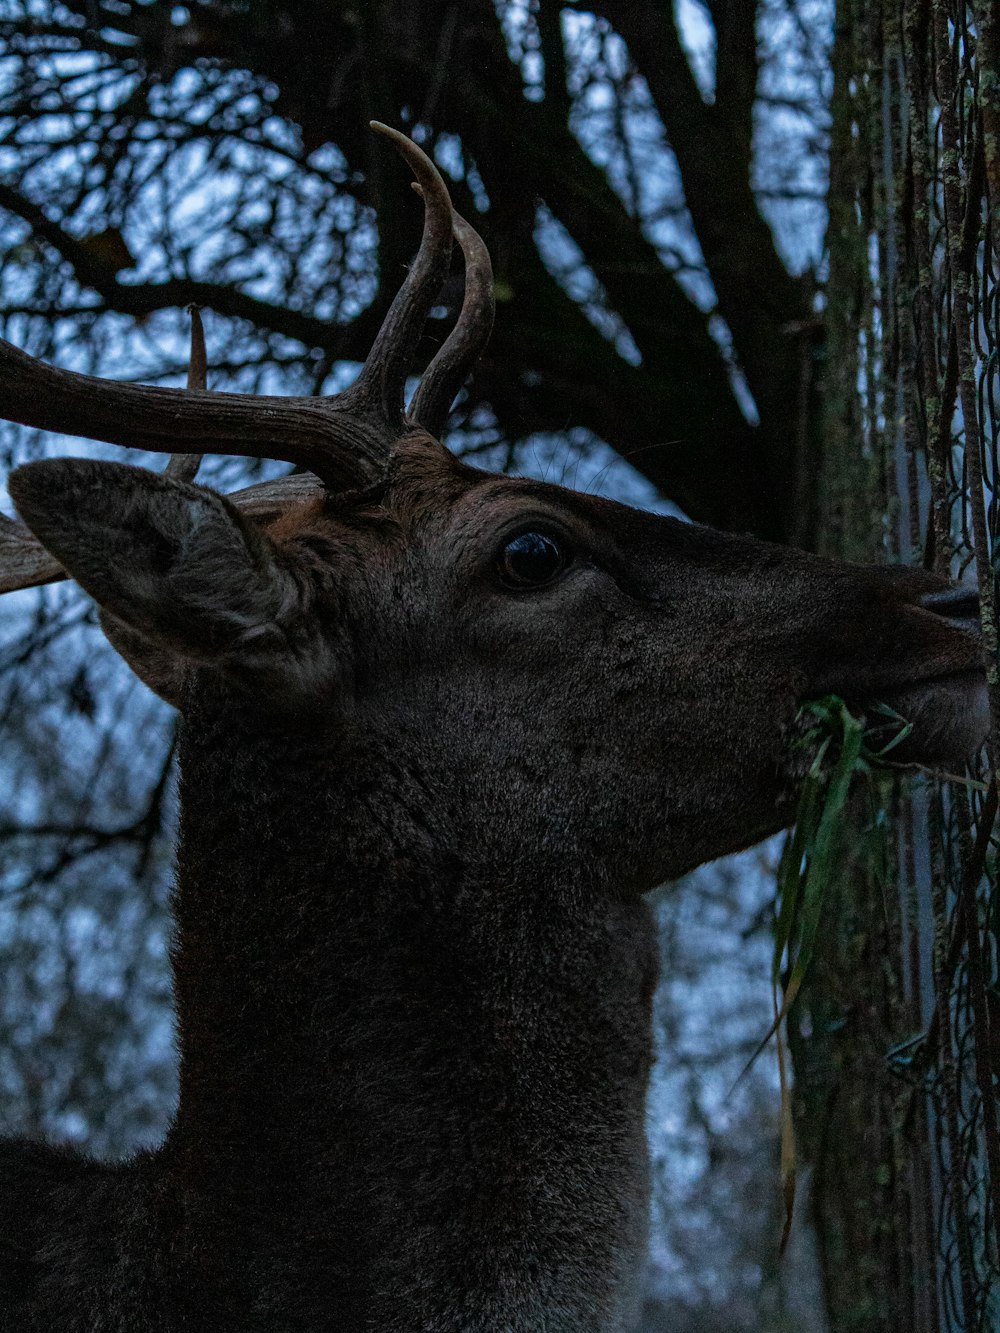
(948, 709)
(960, 603)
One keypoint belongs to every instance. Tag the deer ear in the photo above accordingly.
(171, 562)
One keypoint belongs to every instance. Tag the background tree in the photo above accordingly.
(218, 152)
(899, 1062)
(650, 180)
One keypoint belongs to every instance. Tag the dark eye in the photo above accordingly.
(532, 559)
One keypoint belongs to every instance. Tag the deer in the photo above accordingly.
(441, 732)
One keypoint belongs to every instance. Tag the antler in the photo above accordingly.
(184, 467)
(24, 561)
(345, 438)
(446, 373)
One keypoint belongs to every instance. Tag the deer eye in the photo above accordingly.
(531, 560)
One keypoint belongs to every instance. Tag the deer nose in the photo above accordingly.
(958, 603)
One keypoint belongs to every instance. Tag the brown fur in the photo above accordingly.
(413, 965)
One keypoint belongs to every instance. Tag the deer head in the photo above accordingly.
(506, 709)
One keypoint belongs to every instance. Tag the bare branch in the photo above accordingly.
(142, 299)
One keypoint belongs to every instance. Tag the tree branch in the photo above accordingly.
(758, 298)
(142, 299)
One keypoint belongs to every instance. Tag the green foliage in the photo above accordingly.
(843, 761)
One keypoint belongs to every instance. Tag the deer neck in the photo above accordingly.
(379, 1032)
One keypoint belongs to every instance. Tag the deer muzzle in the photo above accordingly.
(948, 709)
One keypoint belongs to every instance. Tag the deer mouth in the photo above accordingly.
(946, 721)
(946, 713)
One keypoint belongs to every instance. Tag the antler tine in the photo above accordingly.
(184, 467)
(446, 374)
(24, 561)
(378, 390)
(318, 433)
